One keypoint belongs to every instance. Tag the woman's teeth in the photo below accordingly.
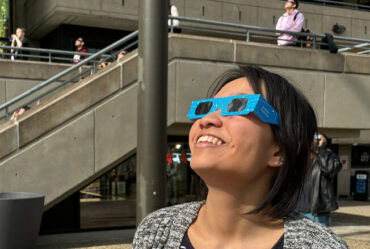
(209, 139)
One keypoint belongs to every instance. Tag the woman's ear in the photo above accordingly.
(277, 159)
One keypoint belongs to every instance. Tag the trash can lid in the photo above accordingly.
(19, 195)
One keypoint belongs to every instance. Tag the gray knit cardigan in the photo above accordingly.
(165, 228)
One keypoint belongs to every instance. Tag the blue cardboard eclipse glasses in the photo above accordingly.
(235, 105)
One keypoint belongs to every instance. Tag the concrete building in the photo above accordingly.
(79, 145)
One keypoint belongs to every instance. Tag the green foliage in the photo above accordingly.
(4, 17)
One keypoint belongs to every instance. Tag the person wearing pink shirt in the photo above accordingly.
(291, 20)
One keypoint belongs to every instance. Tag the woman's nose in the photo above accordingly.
(212, 119)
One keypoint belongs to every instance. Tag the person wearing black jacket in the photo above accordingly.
(318, 198)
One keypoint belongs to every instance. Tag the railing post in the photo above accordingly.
(93, 67)
(171, 25)
(248, 35)
(49, 57)
(7, 113)
(314, 42)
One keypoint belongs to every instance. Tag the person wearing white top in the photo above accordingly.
(172, 10)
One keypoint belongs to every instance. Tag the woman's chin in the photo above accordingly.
(201, 164)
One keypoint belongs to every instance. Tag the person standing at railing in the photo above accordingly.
(19, 40)
(292, 20)
(80, 47)
(173, 11)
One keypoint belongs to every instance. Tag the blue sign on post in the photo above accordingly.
(361, 183)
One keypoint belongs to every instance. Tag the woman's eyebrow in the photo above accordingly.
(240, 93)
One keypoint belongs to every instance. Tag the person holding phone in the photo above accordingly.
(319, 198)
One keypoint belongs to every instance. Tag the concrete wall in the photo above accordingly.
(45, 15)
(18, 76)
(57, 147)
(344, 176)
(86, 129)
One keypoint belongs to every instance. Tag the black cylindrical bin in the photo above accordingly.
(20, 218)
(361, 186)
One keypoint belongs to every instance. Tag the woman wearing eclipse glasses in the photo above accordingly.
(250, 144)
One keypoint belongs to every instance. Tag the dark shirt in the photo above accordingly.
(77, 58)
(186, 244)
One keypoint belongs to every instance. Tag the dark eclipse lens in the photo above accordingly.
(203, 108)
(237, 105)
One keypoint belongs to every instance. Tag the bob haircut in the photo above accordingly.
(295, 135)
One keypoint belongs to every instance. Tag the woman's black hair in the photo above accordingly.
(295, 135)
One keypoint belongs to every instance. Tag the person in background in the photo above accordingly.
(20, 111)
(121, 54)
(172, 11)
(19, 40)
(80, 47)
(309, 40)
(318, 198)
(292, 20)
(103, 63)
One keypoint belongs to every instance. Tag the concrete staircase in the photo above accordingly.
(87, 128)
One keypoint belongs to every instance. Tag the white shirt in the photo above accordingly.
(174, 12)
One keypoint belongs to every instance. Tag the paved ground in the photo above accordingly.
(351, 221)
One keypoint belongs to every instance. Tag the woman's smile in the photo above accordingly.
(209, 140)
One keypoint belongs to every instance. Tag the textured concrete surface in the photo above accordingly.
(352, 223)
(357, 63)
(113, 136)
(112, 239)
(15, 87)
(311, 83)
(55, 163)
(129, 69)
(194, 77)
(282, 57)
(43, 16)
(2, 92)
(113, 109)
(197, 47)
(8, 138)
(82, 96)
(350, 94)
(31, 70)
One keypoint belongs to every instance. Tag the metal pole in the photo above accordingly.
(152, 107)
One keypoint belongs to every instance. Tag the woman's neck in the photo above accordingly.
(223, 220)
(231, 212)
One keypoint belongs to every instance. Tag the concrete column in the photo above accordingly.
(344, 176)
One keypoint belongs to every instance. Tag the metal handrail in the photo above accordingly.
(362, 45)
(6, 105)
(45, 51)
(248, 28)
(263, 29)
(338, 3)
